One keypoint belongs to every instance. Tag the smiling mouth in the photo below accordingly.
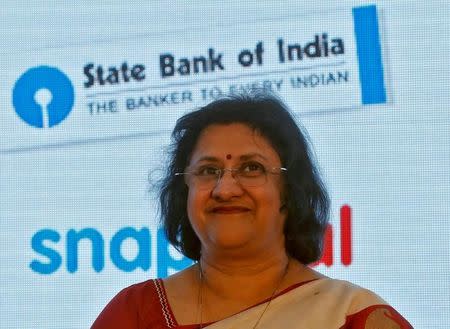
(229, 210)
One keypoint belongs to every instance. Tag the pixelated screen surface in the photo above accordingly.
(91, 91)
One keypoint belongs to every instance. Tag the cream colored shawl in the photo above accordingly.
(322, 304)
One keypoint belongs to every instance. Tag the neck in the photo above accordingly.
(243, 280)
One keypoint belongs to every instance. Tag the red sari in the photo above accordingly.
(317, 304)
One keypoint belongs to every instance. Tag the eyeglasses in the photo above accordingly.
(249, 174)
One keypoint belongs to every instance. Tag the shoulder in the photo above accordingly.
(139, 295)
(365, 309)
(356, 296)
(132, 306)
(376, 317)
(182, 285)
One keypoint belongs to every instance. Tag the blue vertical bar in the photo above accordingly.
(369, 55)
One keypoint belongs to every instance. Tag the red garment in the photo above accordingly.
(140, 306)
(145, 306)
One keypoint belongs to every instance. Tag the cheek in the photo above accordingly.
(196, 202)
(190, 204)
(270, 204)
(267, 202)
(275, 195)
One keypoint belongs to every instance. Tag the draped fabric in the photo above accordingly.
(318, 304)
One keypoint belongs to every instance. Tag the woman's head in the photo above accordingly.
(258, 123)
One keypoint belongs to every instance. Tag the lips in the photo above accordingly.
(229, 209)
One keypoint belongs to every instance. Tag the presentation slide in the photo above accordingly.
(89, 95)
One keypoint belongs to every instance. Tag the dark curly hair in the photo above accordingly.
(306, 198)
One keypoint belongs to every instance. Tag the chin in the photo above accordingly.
(230, 240)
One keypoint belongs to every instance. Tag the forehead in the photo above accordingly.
(235, 139)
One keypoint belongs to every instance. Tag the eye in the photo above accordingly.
(252, 169)
(207, 171)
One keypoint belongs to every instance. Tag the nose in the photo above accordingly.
(227, 187)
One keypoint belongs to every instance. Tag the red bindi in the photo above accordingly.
(228, 156)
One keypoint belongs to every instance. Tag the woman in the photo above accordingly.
(243, 199)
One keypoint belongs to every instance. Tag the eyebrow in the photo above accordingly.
(250, 156)
(243, 157)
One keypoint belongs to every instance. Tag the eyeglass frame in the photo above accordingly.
(235, 174)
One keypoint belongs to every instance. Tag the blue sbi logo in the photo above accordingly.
(43, 96)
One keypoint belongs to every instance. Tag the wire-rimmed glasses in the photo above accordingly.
(249, 174)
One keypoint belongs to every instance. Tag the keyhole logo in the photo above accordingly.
(43, 96)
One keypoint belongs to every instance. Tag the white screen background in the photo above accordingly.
(389, 162)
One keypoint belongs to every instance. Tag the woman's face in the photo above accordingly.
(229, 215)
